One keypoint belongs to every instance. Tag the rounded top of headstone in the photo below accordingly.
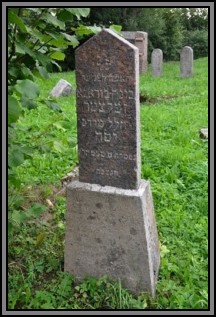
(157, 50)
(187, 48)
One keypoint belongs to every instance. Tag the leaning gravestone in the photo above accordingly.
(62, 88)
(110, 222)
(186, 62)
(157, 62)
(140, 40)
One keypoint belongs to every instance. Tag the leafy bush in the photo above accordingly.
(198, 40)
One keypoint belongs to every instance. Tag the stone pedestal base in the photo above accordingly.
(112, 231)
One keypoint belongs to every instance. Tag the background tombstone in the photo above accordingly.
(186, 62)
(157, 62)
(62, 88)
(140, 40)
(110, 230)
(204, 133)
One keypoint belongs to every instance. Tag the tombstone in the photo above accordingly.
(62, 88)
(110, 221)
(157, 62)
(186, 62)
(140, 40)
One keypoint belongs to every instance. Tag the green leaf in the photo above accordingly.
(58, 146)
(26, 150)
(72, 141)
(66, 124)
(57, 65)
(15, 157)
(180, 183)
(36, 210)
(44, 148)
(163, 250)
(13, 71)
(82, 30)
(14, 110)
(19, 48)
(39, 36)
(28, 103)
(43, 72)
(18, 216)
(95, 29)
(62, 125)
(59, 126)
(59, 42)
(47, 306)
(65, 15)
(10, 228)
(23, 49)
(52, 105)
(116, 28)
(71, 38)
(58, 55)
(27, 88)
(54, 21)
(54, 35)
(40, 239)
(27, 74)
(13, 18)
(79, 12)
(43, 59)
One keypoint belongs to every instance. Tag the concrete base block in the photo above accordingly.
(112, 231)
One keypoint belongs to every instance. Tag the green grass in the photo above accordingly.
(174, 159)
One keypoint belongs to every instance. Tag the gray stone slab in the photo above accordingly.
(62, 88)
(129, 36)
(107, 76)
(112, 231)
(157, 62)
(186, 62)
(140, 40)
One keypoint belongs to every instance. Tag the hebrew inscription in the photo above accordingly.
(107, 73)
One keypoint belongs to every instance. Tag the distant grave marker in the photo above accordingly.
(140, 40)
(157, 62)
(62, 88)
(186, 62)
(204, 133)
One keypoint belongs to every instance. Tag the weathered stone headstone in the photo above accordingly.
(110, 222)
(62, 88)
(140, 40)
(157, 62)
(107, 109)
(186, 62)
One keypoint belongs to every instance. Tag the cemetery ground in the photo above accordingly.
(174, 159)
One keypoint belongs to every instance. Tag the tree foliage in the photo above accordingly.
(195, 23)
(37, 39)
(168, 28)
